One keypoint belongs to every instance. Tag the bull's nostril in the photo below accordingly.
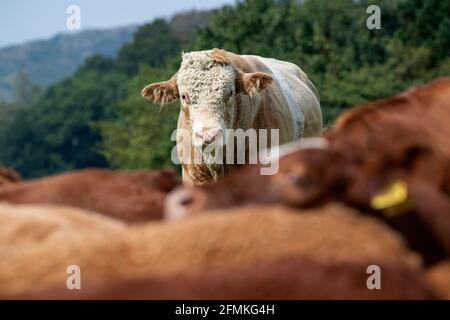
(208, 140)
(187, 200)
(212, 137)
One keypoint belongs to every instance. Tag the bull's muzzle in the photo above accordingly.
(207, 136)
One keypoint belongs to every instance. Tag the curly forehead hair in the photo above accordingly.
(206, 59)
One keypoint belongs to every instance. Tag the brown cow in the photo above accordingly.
(8, 175)
(39, 242)
(438, 277)
(129, 196)
(298, 278)
(394, 152)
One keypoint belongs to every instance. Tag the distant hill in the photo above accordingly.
(47, 61)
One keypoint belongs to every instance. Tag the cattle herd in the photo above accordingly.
(372, 190)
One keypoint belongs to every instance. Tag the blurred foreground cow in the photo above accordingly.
(390, 158)
(129, 196)
(291, 278)
(271, 252)
(221, 90)
(439, 277)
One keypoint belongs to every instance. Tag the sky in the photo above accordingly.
(25, 20)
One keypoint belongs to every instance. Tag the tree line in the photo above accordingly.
(96, 117)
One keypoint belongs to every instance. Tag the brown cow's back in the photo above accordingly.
(130, 196)
(289, 278)
(439, 278)
(50, 238)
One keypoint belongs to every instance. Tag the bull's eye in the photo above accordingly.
(185, 98)
(230, 96)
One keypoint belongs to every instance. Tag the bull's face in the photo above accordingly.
(209, 86)
(208, 97)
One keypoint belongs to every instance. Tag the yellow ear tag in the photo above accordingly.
(395, 194)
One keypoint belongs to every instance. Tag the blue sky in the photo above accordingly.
(24, 20)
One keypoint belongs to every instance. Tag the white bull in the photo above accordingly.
(221, 90)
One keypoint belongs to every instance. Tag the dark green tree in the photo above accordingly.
(152, 45)
(426, 23)
(140, 134)
(56, 133)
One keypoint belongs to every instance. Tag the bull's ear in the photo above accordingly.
(252, 83)
(162, 92)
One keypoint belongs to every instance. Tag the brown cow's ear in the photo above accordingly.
(252, 83)
(162, 92)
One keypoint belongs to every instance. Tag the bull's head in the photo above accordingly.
(209, 85)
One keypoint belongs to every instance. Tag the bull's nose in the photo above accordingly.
(212, 135)
(208, 136)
